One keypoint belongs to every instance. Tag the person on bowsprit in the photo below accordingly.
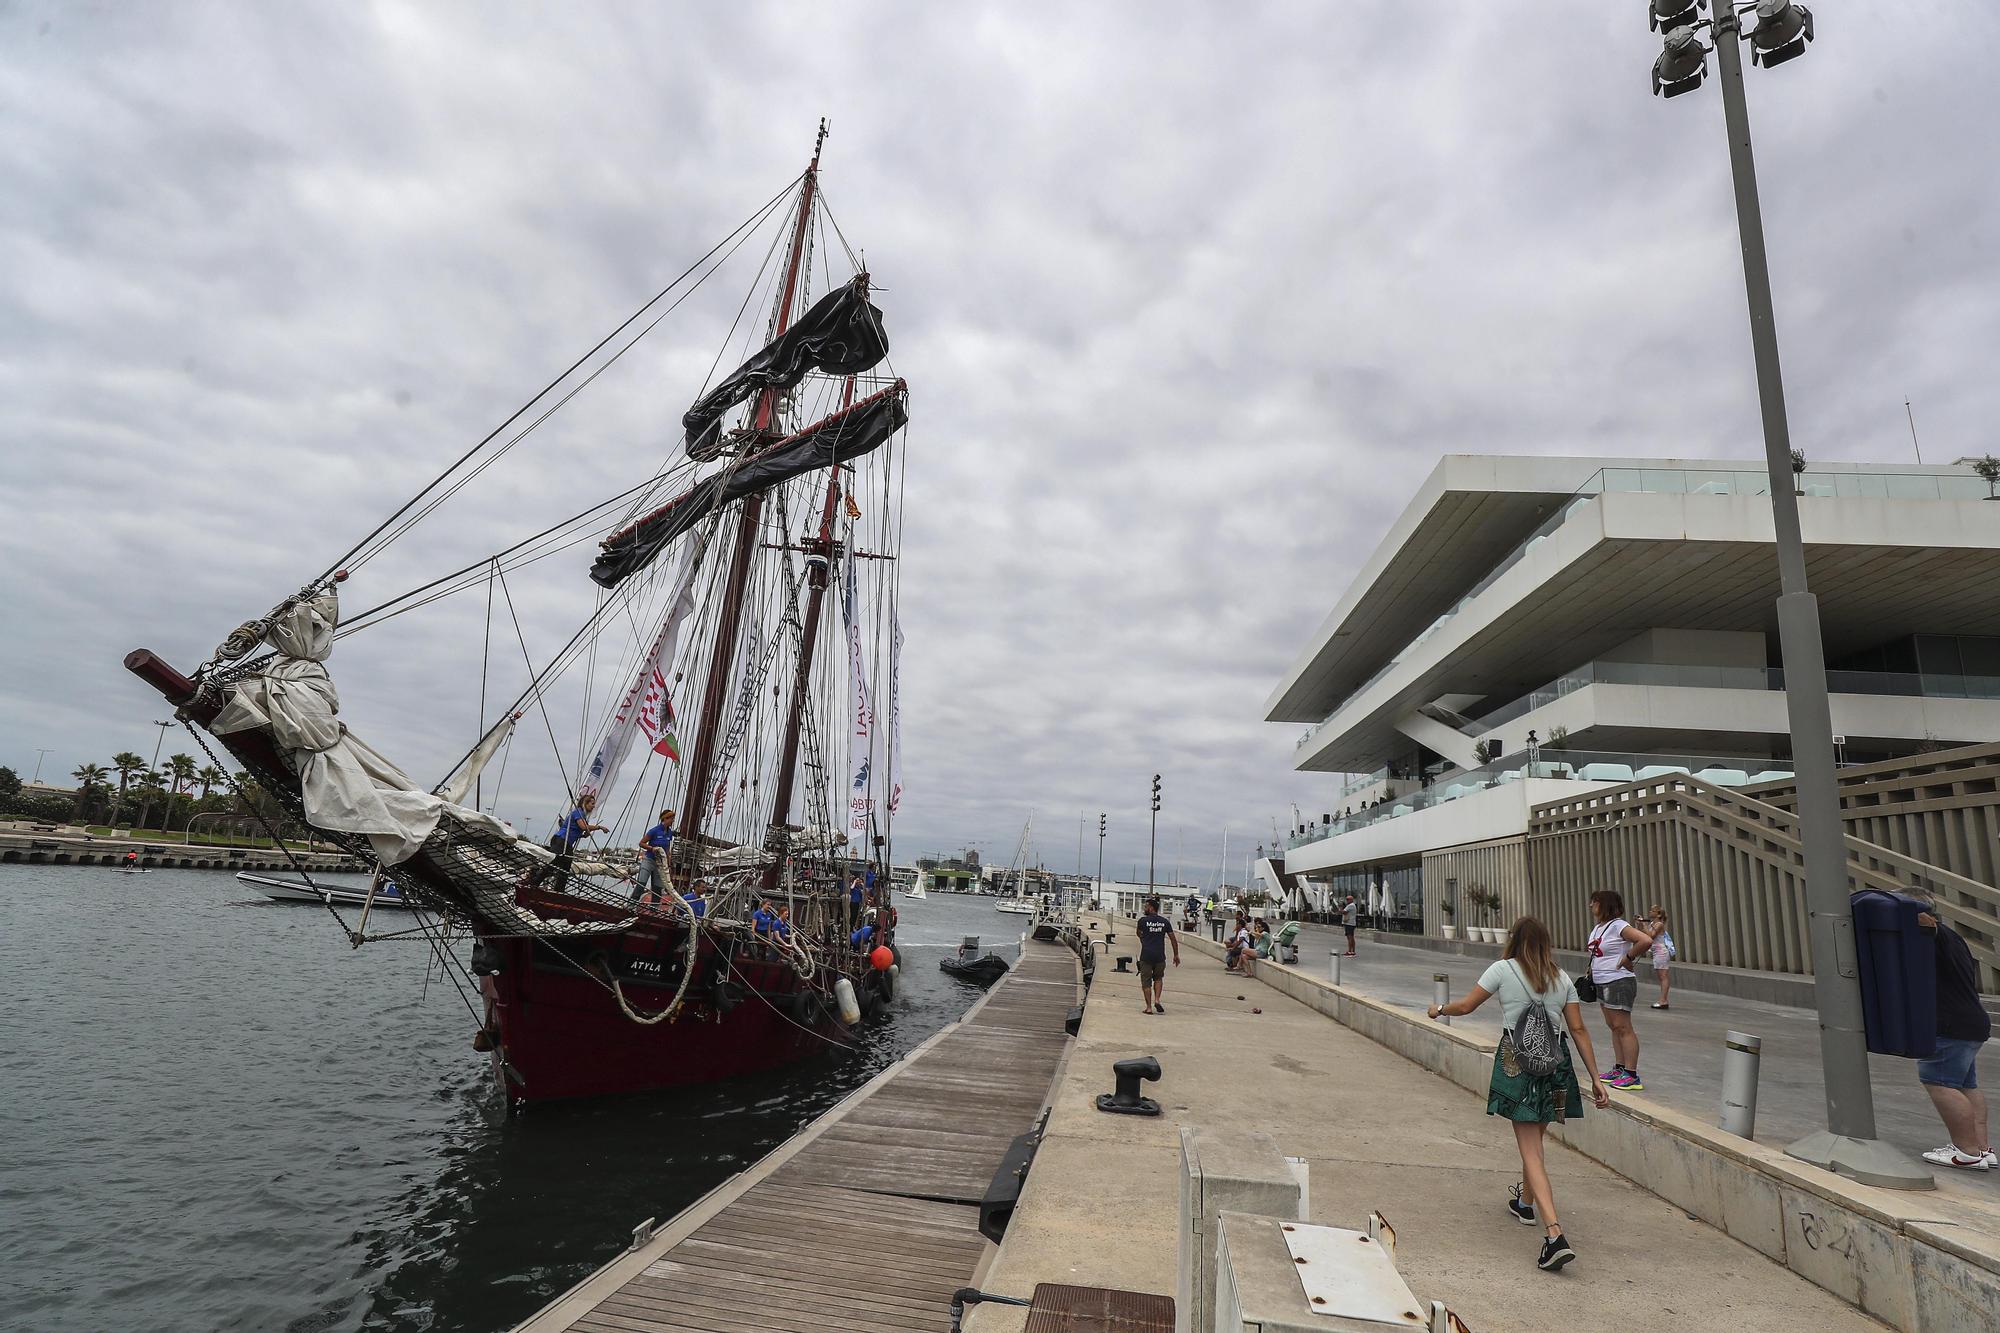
(1155, 934)
(653, 848)
(568, 834)
(1614, 943)
(1951, 1077)
(1534, 1081)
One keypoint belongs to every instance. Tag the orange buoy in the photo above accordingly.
(882, 957)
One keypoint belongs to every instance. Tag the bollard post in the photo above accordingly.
(1741, 1055)
(1441, 994)
(1333, 965)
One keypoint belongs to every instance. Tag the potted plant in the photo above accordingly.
(1988, 469)
(1447, 911)
(1798, 471)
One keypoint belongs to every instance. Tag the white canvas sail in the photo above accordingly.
(861, 720)
(647, 709)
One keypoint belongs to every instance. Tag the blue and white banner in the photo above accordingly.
(895, 713)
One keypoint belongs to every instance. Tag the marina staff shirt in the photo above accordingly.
(659, 836)
(1153, 932)
(572, 829)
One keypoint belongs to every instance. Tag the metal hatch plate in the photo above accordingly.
(1345, 1273)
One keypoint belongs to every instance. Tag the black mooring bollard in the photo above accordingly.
(1126, 1099)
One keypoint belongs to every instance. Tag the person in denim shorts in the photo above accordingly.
(1614, 943)
(1951, 1077)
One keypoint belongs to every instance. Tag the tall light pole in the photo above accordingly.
(1849, 1144)
(1153, 837)
(161, 741)
(1100, 859)
(39, 756)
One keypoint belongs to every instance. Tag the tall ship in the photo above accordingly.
(749, 587)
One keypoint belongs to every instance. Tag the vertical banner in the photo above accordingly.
(647, 708)
(895, 713)
(861, 720)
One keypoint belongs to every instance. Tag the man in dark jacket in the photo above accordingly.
(1951, 1077)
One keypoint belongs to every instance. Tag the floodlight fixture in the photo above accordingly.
(1666, 15)
(1782, 31)
(1682, 65)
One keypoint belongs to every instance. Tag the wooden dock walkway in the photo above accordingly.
(868, 1220)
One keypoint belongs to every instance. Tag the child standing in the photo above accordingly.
(1663, 950)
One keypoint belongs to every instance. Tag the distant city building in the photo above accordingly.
(1535, 627)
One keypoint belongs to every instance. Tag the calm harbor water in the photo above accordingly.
(218, 1116)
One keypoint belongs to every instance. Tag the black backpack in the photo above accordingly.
(1538, 1046)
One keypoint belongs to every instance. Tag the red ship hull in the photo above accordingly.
(560, 1032)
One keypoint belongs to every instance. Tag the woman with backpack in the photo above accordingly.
(1534, 1081)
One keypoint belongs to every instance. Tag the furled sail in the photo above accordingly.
(846, 434)
(842, 335)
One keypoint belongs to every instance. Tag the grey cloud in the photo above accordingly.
(1190, 300)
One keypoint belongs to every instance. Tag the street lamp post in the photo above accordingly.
(161, 741)
(1153, 836)
(1849, 1144)
(1100, 859)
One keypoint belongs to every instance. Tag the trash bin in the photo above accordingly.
(1215, 929)
(1898, 964)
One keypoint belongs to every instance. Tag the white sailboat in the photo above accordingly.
(1016, 902)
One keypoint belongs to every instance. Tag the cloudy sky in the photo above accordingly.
(1190, 298)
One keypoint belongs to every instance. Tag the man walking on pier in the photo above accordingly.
(1349, 917)
(1155, 934)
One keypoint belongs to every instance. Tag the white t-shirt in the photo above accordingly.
(1507, 981)
(1607, 952)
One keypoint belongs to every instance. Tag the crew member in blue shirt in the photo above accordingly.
(568, 835)
(854, 891)
(862, 938)
(653, 857)
(695, 901)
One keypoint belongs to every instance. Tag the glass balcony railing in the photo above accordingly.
(1928, 685)
(1571, 765)
(1827, 481)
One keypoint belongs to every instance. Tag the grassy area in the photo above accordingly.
(205, 840)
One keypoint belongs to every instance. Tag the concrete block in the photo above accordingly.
(1242, 1172)
(1951, 1295)
(1855, 1258)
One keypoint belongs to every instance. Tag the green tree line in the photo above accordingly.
(128, 793)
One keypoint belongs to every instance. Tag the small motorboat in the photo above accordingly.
(968, 964)
(1017, 906)
(298, 891)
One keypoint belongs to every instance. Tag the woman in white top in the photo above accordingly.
(1614, 943)
(1527, 975)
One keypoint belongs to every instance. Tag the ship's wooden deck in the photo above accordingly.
(870, 1220)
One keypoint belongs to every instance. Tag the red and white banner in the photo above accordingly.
(647, 708)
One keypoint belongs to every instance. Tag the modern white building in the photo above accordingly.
(1535, 627)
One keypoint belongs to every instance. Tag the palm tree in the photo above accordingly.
(126, 763)
(181, 768)
(210, 777)
(150, 788)
(89, 778)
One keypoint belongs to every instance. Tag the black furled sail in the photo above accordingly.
(841, 335)
(846, 434)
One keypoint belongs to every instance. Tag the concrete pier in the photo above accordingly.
(70, 848)
(1379, 1131)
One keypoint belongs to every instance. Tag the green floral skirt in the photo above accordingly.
(1532, 1099)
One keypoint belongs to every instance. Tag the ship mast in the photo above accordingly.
(730, 617)
(819, 562)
